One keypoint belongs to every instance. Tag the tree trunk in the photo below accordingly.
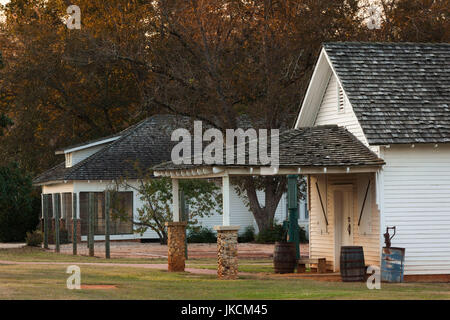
(274, 189)
(163, 238)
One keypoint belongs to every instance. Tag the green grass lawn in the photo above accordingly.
(49, 282)
(41, 255)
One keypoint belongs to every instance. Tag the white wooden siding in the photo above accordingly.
(328, 111)
(78, 156)
(416, 191)
(240, 214)
(322, 237)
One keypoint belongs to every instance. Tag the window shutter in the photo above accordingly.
(365, 191)
(319, 189)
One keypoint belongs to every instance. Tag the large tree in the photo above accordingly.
(214, 60)
(61, 89)
(4, 120)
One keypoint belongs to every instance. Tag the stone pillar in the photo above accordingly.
(176, 246)
(227, 241)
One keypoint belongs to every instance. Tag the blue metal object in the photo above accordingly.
(293, 231)
(392, 264)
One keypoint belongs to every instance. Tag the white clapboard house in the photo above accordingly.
(395, 99)
(373, 139)
(95, 165)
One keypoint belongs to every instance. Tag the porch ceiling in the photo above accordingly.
(321, 149)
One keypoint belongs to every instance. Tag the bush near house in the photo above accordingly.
(64, 236)
(19, 204)
(201, 235)
(34, 239)
(248, 235)
(277, 233)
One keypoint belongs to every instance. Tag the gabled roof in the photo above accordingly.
(145, 144)
(399, 92)
(320, 146)
(96, 142)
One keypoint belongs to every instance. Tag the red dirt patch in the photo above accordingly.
(98, 286)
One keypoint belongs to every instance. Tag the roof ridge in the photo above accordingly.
(130, 131)
(387, 43)
(84, 162)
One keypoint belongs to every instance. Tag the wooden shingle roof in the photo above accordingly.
(400, 92)
(139, 148)
(320, 146)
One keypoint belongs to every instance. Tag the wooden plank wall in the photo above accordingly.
(322, 243)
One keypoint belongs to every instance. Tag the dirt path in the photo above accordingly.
(124, 249)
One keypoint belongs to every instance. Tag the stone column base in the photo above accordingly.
(176, 246)
(227, 241)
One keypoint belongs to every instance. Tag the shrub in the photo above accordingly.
(63, 236)
(303, 236)
(277, 233)
(34, 239)
(271, 235)
(201, 235)
(248, 235)
(19, 204)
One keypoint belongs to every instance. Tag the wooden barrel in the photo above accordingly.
(284, 259)
(353, 267)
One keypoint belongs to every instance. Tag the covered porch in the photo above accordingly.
(334, 161)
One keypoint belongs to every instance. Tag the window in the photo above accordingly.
(48, 206)
(66, 206)
(341, 101)
(123, 202)
(68, 160)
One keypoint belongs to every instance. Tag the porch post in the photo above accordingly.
(175, 200)
(91, 220)
(227, 238)
(57, 210)
(74, 223)
(45, 208)
(293, 231)
(107, 224)
(176, 234)
(226, 200)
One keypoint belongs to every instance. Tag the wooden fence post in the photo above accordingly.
(57, 207)
(45, 205)
(293, 232)
(74, 223)
(107, 222)
(91, 224)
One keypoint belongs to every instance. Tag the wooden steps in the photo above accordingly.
(320, 263)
